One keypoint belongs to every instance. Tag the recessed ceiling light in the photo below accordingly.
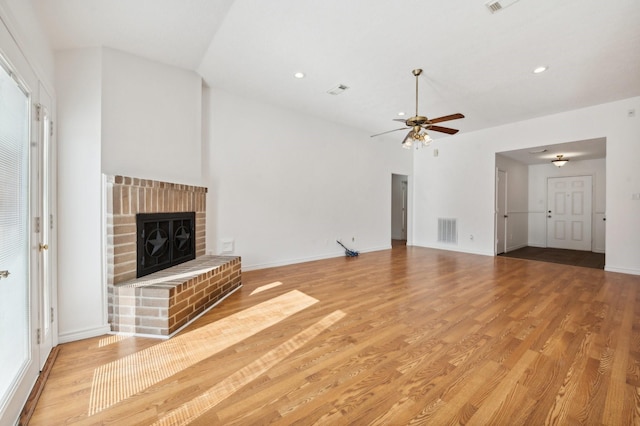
(401, 113)
(299, 75)
(540, 69)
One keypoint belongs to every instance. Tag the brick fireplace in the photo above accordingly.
(162, 302)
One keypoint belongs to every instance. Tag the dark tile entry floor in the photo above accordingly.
(587, 259)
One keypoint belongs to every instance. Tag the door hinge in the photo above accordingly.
(38, 111)
(52, 315)
(51, 129)
(36, 224)
(51, 221)
(38, 336)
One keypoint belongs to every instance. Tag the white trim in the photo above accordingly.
(307, 259)
(448, 248)
(622, 270)
(72, 336)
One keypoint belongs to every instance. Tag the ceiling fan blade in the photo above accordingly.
(446, 118)
(400, 120)
(444, 129)
(389, 131)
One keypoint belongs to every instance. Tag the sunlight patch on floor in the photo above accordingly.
(118, 380)
(265, 287)
(114, 338)
(189, 411)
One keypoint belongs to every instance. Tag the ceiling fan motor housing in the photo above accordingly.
(418, 120)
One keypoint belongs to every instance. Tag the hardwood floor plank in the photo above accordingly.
(424, 337)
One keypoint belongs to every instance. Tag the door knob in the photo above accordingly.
(549, 216)
(4, 274)
(43, 247)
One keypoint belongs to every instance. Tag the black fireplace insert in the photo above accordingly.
(164, 240)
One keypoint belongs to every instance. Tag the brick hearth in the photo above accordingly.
(160, 303)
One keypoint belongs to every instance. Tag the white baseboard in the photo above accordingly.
(306, 259)
(454, 248)
(72, 336)
(629, 271)
(519, 246)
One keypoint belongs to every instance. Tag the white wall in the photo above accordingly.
(113, 107)
(20, 18)
(81, 295)
(538, 175)
(286, 185)
(517, 201)
(151, 120)
(460, 181)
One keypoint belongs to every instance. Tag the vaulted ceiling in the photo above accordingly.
(475, 62)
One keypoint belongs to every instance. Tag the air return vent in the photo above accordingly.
(497, 5)
(338, 89)
(447, 230)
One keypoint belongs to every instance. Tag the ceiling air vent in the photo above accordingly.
(497, 5)
(338, 89)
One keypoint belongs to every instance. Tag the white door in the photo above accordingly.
(44, 224)
(18, 347)
(501, 211)
(569, 212)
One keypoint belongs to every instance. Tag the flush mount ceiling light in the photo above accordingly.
(540, 69)
(401, 113)
(299, 75)
(560, 161)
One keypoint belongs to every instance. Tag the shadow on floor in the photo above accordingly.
(586, 259)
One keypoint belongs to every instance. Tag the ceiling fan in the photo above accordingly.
(418, 123)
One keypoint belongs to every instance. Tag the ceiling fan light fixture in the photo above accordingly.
(560, 161)
(419, 138)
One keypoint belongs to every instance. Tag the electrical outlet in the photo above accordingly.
(631, 113)
(471, 237)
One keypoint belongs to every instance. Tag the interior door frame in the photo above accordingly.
(501, 222)
(402, 197)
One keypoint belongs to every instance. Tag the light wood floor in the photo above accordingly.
(402, 336)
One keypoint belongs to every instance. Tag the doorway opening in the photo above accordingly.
(554, 210)
(399, 209)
